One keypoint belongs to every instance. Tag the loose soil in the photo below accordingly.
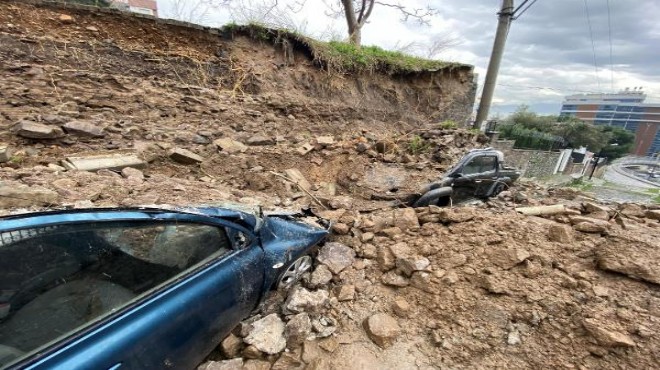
(499, 291)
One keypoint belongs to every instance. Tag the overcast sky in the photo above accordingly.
(548, 53)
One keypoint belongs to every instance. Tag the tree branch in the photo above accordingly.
(422, 15)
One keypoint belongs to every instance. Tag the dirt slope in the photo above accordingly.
(478, 287)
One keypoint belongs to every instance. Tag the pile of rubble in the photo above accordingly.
(437, 287)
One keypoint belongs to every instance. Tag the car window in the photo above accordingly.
(58, 278)
(488, 164)
(480, 165)
(471, 167)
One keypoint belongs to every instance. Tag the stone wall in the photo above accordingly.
(532, 163)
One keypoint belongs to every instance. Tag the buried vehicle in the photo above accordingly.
(479, 174)
(139, 288)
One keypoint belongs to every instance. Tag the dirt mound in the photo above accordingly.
(212, 119)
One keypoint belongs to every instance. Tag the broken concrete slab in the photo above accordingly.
(639, 261)
(116, 161)
(230, 146)
(34, 130)
(185, 156)
(306, 148)
(260, 140)
(84, 129)
(325, 141)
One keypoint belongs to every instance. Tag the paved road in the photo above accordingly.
(616, 177)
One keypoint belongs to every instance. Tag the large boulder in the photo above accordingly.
(18, 195)
(84, 128)
(267, 335)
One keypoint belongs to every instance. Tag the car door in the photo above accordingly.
(466, 180)
(487, 176)
(125, 290)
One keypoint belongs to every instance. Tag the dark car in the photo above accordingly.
(479, 174)
(139, 288)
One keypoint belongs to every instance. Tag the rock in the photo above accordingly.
(336, 256)
(401, 307)
(256, 365)
(341, 228)
(231, 346)
(252, 352)
(288, 361)
(513, 338)
(590, 207)
(297, 330)
(493, 285)
(456, 260)
(66, 19)
(390, 232)
(393, 279)
(341, 202)
(19, 195)
(653, 214)
(560, 233)
(601, 291)
(325, 140)
(631, 210)
(5, 153)
(296, 176)
(83, 128)
(302, 300)
(582, 219)
(324, 326)
(382, 329)
(406, 219)
(34, 130)
(507, 258)
(450, 278)
(311, 351)
(638, 261)
(453, 215)
(600, 215)
(346, 293)
(329, 344)
(321, 276)
(422, 281)
(230, 146)
(385, 258)
(401, 250)
(233, 364)
(267, 335)
(130, 172)
(588, 227)
(260, 139)
(367, 237)
(92, 29)
(409, 265)
(185, 156)
(605, 336)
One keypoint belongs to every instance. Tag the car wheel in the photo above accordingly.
(294, 272)
(498, 189)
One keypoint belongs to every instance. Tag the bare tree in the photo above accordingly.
(357, 13)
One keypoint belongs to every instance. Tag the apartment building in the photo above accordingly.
(625, 109)
(148, 7)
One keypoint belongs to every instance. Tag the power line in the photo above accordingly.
(516, 16)
(593, 45)
(609, 31)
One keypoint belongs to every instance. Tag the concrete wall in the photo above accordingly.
(532, 163)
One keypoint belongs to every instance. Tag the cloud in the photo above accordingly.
(548, 52)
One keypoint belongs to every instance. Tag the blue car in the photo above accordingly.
(139, 288)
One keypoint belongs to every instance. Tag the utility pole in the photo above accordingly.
(505, 18)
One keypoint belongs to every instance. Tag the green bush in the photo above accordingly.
(448, 124)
